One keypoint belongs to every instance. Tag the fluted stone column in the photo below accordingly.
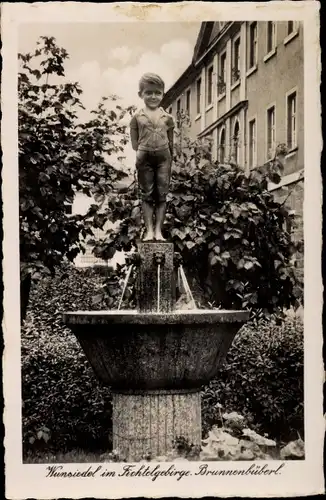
(150, 422)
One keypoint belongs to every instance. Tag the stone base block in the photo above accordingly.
(150, 299)
(148, 423)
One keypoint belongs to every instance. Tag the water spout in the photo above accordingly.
(159, 259)
(186, 287)
(158, 286)
(125, 285)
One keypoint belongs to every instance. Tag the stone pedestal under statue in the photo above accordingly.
(156, 288)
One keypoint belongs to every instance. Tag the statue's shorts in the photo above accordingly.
(154, 174)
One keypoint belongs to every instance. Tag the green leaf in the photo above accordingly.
(180, 234)
(214, 260)
(97, 298)
(215, 217)
(240, 264)
(190, 244)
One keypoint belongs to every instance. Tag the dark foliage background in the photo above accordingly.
(63, 402)
(262, 378)
(60, 154)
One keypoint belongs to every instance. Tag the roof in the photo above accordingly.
(178, 86)
(208, 34)
(202, 39)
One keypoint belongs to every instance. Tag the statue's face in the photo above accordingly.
(152, 95)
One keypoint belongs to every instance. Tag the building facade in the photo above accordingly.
(244, 91)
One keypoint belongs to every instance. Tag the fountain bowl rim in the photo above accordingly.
(191, 316)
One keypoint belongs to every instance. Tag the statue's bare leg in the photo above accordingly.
(159, 219)
(148, 212)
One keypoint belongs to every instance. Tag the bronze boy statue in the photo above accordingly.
(151, 131)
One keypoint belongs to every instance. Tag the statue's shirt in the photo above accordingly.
(152, 133)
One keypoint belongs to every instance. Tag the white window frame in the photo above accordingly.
(271, 51)
(294, 33)
(295, 26)
(253, 66)
(209, 104)
(234, 41)
(221, 56)
(273, 25)
(290, 93)
(188, 90)
(223, 129)
(237, 149)
(254, 155)
(178, 111)
(286, 180)
(273, 145)
(198, 97)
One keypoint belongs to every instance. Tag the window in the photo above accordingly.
(198, 96)
(292, 121)
(178, 113)
(292, 27)
(188, 100)
(209, 85)
(271, 36)
(236, 139)
(222, 146)
(270, 131)
(236, 61)
(222, 74)
(252, 144)
(253, 44)
(68, 208)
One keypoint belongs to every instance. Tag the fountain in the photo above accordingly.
(157, 358)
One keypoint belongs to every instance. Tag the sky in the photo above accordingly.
(109, 58)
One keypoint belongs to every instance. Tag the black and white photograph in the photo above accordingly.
(162, 249)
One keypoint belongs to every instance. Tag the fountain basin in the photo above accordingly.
(155, 362)
(132, 351)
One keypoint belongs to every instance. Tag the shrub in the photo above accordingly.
(226, 225)
(262, 378)
(64, 405)
(60, 155)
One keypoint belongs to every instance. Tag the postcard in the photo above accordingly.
(162, 249)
